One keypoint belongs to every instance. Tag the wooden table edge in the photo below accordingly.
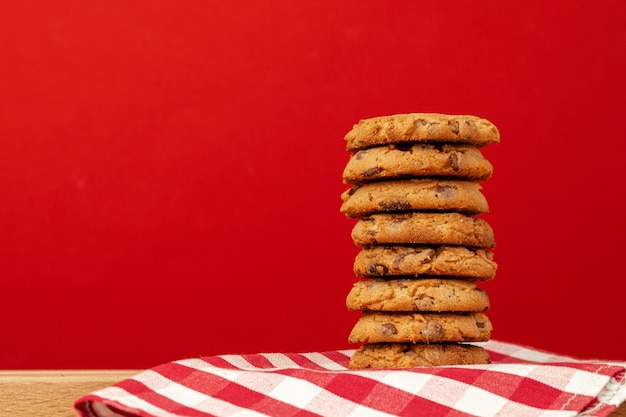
(52, 392)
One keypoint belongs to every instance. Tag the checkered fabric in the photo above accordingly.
(520, 381)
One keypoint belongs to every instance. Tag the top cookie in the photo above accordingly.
(421, 127)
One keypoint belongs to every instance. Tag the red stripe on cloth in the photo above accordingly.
(369, 392)
(542, 396)
(339, 357)
(231, 391)
(517, 388)
(420, 407)
(592, 367)
(597, 409)
(357, 389)
(215, 361)
(252, 400)
(156, 399)
(502, 385)
(468, 376)
(305, 362)
(300, 360)
(353, 388)
(258, 361)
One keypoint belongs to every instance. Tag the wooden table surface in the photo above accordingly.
(52, 393)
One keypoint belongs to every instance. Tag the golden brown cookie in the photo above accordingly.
(424, 229)
(451, 261)
(421, 127)
(431, 295)
(465, 162)
(408, 355)
(377, 327)
(414, 194)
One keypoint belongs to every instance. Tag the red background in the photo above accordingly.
(170, 171)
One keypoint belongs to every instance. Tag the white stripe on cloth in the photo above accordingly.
(309, 396)
(362, 411)
(447, 392)
(190, 398)
(522, 352)
(323, 361)
(235, 360)
(514, 409)
(560, 377)
(481, 403)
(615, 391)
(129, 400)
(296, 392)
(280, 360)
(586, 383)
(478, 402)
(463, 397)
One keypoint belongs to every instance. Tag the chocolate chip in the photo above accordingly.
(372, 171)
(378, 269)
(360, 155)
(453, 162)
(480, 324)
(352, 190)
(394, 205)
(432, 332)
(388, 329)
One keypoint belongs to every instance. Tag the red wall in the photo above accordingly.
(170, 171)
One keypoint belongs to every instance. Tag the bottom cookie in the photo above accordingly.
(407, 355)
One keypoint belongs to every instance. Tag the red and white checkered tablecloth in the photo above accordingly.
(521, 381)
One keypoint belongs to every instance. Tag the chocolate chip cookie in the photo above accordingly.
(408, 355)
(415, 194)
(421, 127)
(395, 161)
(451, 261)
(432, 295)
(424, 229)
(377, 327)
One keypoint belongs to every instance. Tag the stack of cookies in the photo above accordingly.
(415, 190)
